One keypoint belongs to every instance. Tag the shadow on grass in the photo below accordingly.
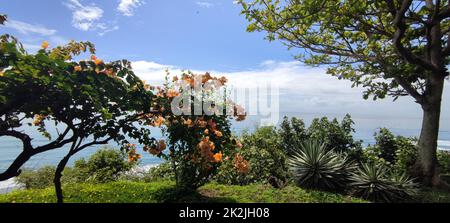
(175, 195)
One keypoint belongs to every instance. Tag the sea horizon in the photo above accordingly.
(365, 127)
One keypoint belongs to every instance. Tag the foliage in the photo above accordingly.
(267, 160)
(315, 167)
(434, 196)
(397, 152)
(162, 171)
(390, 48)
(195, 118)
(356, 38)
(91, 102)
(165, 191)
(444, 161)
(336, 136)
(373, 182)
(105, 165)
(36, 179)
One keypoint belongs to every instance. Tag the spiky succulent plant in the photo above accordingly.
(373, 182)
(315, 167)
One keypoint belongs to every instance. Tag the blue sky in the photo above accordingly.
(205, 35)
(193, 34)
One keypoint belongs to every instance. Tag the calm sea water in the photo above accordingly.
(365, 128)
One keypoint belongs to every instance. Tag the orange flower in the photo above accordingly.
(223, 80)
(189, 123)
(175, 79)
(159, 121)
(218, 157)
(45, 45)
(206, 132)
(98, 62)
(171, 93)
(212, 146)
(240, 164)
(77, 68)
(218, 133)
(38, 119)
(133, 156)
(154, 151)
(161, 145)
(109, 72)
(93, 57)
(206, 78)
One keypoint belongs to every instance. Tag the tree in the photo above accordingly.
(92, 101)
(390, 47)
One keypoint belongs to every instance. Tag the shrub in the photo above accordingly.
(160, 172)
(337, 136)
(399, 153)
(197, 139)
(163, 171)
(266, 160)
(373, 182)
(444, 161)
(315, 167)
(36, 179)
(104, 165)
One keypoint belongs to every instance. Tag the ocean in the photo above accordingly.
(365, 128)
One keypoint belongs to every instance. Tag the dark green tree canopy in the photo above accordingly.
(391, 47)
(92, 101)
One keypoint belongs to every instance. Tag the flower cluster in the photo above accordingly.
(96, 65)
(240, 164)
(133, 156)
(198, 143)
(157, 148)
(39, 119)
(206, 149)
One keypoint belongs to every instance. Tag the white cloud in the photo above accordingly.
(152, 72)
(88, 17)
(205, 4)
(126, 7)
(303, 90)
(105, 29)
(34, 35)
(27, 28)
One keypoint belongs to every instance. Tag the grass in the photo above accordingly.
(434, 196)
(164, 191)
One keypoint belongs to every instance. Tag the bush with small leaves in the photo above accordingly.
(36, 179)
(399, 153)
(444, 161)
(267, 162)
(338, 136)
(105, 165)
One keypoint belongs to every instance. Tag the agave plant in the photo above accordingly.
(373, 182)
(314, 167)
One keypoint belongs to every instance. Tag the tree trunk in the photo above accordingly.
(57, 179)
(426, 166)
